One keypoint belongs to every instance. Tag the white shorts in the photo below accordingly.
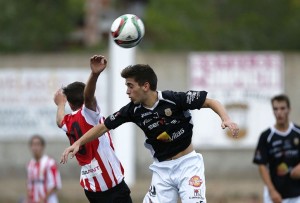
(182, 177)
(267, 198)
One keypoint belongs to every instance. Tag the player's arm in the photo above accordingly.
(48, 193)
(295, 173)
(218, 108)
(60, 101)
(97, 64)
(92, 134)
(29, 188)
(264, 173)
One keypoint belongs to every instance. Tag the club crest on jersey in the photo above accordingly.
(195, 181)
(168, 112)
(296, 141)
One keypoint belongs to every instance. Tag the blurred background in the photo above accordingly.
(241, 52)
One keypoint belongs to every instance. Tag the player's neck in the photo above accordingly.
(38, 158)
(282, 126)
(151, 100)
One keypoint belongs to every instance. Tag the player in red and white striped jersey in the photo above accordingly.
(102, 174)
(43, 178)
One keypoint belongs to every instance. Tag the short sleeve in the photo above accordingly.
(64, 123)
(190, 100)
(91, 117)
(261, 152)
(118, 118)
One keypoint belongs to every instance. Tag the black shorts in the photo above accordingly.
(118, 194)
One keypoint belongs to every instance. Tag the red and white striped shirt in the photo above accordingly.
(42, 176)
(100, 167)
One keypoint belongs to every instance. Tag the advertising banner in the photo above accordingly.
(26, 98)
(244, 83)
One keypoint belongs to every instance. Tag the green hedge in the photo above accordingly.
(223, 25)
(37, 25)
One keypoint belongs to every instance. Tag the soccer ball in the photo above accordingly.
(127, 30)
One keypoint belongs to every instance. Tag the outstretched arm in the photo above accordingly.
(60, 101)
(98, 64)
(90, 135)
(220, 110)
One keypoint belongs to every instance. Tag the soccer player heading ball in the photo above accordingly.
(167, 123)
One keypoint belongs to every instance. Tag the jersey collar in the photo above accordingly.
(291, 125)
(159, 97)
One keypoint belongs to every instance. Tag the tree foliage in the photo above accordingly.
(37, 25)
(223, 25)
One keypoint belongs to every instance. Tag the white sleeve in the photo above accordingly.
(64, 128)
(91, 117)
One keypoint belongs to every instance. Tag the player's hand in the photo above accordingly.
(233, 127)
(98, 64)
(43, 200)
(295, 172)
(60, 98)
(275, 196)
(72, 150)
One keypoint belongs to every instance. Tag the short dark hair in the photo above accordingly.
(42, 140)
(281, 97)
(141, 73)
(74, 93)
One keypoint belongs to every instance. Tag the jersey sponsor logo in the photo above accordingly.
(190, 96)
(162, 121)
(146, 114)
(177, 134)
(113, 117)
(291, 153)
(277, 142)
(165, 137)
(173, 121)
(156, 115)
(285, 151)
(91, 170)
(154, 125)
(195, 181)
(197, 195)
(168, 112)
(147, 121)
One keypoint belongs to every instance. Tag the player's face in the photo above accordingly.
(281, 112)
(37, 148)
(135, 91)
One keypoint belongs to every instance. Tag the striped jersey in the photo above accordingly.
(100, 167)
(42, 176)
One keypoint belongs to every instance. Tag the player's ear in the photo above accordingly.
(146, 86)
